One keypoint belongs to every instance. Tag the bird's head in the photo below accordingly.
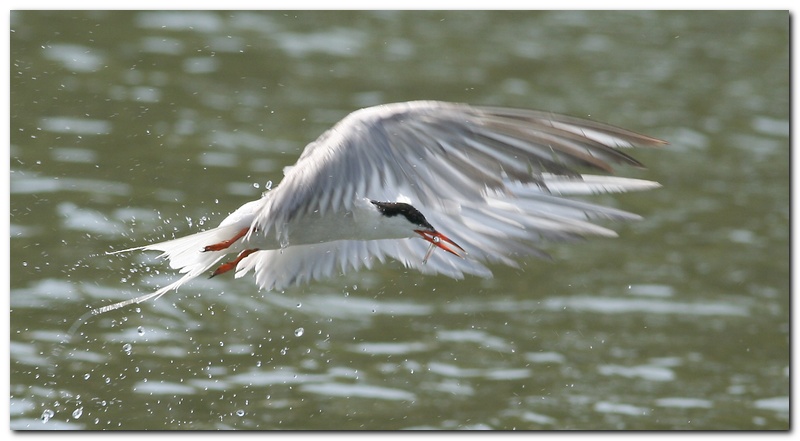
(411, 218)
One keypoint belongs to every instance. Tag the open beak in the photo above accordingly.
(438, 239)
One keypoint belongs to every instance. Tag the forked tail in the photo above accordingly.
(186, 254)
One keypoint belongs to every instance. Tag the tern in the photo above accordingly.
(483, 184)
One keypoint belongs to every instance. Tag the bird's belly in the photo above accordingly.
(316, 228)
(332, 226)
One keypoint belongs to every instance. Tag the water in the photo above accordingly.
(129, 127)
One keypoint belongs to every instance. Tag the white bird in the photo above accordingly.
(491, 179)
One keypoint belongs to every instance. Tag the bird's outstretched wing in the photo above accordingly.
(500, 227)
(441, 154)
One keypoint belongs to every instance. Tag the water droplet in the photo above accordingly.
(240, 412)
(77, 412)
(255, 185)
(140, 330)
(284, 351)
(47, 414)
(86, 376)
(268, 185)
(298, 332)
(299, 305)
(127, 347)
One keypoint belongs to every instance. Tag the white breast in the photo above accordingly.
(363, 222)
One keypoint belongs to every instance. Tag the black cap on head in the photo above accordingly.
(413, 215)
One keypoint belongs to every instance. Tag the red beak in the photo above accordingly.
(438, 239)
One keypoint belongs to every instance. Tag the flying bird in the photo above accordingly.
(480, 185)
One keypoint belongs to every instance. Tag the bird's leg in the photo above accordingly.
(226, 243)
(225, 267)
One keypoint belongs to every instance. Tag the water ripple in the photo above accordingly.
(611, 305)
(646, 372)
(50, 184)
(450, 370)
(389, 348)
(79, 126)
(75, 57)
(778, 404)
(684, 403)
(358, 390)
(621, 408)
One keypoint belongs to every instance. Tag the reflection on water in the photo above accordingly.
(129, 127)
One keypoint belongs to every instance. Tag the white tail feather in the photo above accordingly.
(186, 255)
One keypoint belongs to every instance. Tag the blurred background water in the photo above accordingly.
(131, 127)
